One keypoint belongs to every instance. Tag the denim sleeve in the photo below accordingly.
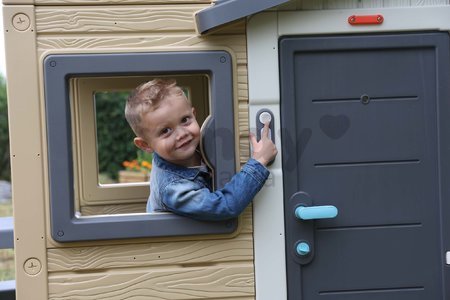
(184, 198)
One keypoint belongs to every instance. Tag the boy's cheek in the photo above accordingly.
(166, 144)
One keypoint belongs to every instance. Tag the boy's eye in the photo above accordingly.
(185, 120)
(165, 131)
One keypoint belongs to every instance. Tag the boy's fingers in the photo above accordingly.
(253, 139)
(265, 132)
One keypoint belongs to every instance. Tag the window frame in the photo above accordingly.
(66, 224)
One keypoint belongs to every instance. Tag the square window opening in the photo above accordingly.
(113, 174)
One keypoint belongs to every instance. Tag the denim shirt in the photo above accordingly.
(188, 191)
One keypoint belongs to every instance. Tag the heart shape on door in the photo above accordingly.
(334, 126)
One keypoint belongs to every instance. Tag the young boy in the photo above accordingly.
(164, 122)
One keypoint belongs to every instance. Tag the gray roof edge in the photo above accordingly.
(223, 12)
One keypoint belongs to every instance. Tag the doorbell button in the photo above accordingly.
(262, 117)
(265, 117)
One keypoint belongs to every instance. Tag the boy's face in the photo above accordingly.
(171, 131)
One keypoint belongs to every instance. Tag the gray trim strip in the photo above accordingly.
(6, 233)
(227, 11)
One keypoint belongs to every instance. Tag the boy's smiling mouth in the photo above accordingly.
(185, 143)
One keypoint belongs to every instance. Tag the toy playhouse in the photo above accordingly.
(357, 205)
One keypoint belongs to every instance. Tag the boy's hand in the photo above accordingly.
(265, 150)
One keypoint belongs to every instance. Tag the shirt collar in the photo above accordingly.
(188, 173)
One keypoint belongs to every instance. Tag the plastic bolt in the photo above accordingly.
(303, 249)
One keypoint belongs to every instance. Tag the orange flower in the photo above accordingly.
(146, 164)
(135, 165)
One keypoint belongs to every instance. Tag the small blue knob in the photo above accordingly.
(303, 249)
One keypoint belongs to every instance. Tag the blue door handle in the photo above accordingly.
(316, 212)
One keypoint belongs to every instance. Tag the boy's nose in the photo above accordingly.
(182, 133)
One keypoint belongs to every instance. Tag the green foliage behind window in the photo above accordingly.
(5, 168)
(114, 135)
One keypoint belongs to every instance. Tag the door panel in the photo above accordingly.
(360, 132)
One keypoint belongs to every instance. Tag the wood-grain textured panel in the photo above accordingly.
(212, 282)
(184, 253)
(90, 210)
(91, 19)
(145, 43)
(246, 220)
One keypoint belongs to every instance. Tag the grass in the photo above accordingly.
(104, 178)
(7, 270)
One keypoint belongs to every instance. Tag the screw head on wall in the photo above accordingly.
(32, 266)
(21, 21)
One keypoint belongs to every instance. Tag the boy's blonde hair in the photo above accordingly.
(147, 97)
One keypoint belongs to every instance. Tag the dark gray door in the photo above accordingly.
(365, 128)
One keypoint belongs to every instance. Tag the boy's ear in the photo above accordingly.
(194, 112)
(142, 144)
